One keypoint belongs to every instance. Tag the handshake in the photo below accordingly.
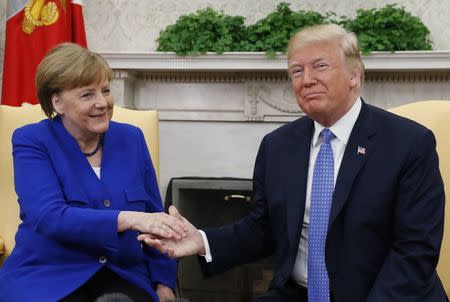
(169, 233)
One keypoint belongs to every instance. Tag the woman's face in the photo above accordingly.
(85, 111)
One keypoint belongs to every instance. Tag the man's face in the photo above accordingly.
(324, 86)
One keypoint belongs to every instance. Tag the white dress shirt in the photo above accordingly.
(342, 130)
(96, 171)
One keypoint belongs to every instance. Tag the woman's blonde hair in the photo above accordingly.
(68, 66)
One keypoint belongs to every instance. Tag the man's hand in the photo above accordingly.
(191, 244)
(164, 293)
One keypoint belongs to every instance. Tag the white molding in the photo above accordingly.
(408, 61)
(249, 87)
(165, 61)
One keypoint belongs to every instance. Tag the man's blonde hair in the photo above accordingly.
(328, 33)
(68, 66)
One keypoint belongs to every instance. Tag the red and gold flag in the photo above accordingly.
(33, 27)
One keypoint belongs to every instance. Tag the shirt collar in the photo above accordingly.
(343, 127)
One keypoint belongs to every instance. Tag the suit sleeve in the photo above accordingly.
(410, 266)
(248, 239)
(42, 202)
(163, 270)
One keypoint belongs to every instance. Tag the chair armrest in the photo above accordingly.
(2, 246)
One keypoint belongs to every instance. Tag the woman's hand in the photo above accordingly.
(159, 224)
(164, 293)
(191, 244)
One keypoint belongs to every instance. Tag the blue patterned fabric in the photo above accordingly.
(321, 197)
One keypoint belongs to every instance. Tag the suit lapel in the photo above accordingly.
(359, 147)
(80, 168)
(299, 149)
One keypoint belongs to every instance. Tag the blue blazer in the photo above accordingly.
(386, 221)
(69, 216)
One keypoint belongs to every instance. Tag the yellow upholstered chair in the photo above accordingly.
(435, 115)
(14, 117)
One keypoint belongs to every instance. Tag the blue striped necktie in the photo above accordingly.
(321, 198)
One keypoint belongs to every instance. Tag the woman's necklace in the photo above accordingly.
(98, 147)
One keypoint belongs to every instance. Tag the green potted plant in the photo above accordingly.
(272, 33)
(390, 28)
(206, 30)
(209, 30)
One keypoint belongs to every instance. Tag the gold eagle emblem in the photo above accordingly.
(39, 13)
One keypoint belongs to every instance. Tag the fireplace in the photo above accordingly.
(210, 202)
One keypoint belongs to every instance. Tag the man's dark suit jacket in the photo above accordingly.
(386, 221)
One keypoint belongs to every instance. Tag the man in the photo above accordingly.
(349, 199)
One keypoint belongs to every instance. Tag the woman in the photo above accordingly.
(86, 187)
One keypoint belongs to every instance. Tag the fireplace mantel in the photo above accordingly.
(255, 61)
(215, 109)
(252, 87)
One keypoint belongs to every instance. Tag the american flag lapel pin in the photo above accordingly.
(361, 150)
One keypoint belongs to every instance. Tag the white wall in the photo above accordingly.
(134, 25)
(213, 148)
(210, 149)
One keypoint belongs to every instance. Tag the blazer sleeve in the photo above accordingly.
(410, 266)
(42, 202)
(248, 239)
(163, 270)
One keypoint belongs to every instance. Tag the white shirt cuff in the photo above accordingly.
(207, 255)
